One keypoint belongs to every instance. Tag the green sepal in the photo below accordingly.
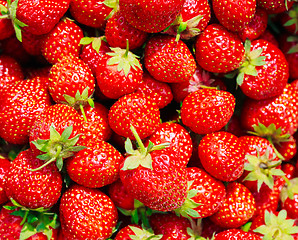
(124, 59)
(293, 49)
(114, 4)
(3, 10)
(80, 99)
(86, 40)
(143, 234)
(289, 189)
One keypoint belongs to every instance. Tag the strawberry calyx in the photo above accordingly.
(187, 208)
(144, 234)
(140, 156)
(124, 59)
(293, 14)
(94, 41)
(289, 189)
(272, 134)
(252, 60)
(57, 147)
(294, 48)
(262, 168)
(195, 230)
(277, 227)
(10, 12)
(79, 101)
(34, 220)
(114, 5)
(199, 81)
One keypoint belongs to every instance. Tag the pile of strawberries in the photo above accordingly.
(138, 119)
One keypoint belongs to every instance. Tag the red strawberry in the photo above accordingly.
(133, 231)
(6, 28)
(118, 31)
(152, 177)
(43, 225)
(180, 143)
(234, 234)
(32, 43)
(171, 226)
(287, 149)
(33, 189)
(70, 76)
(62, 40)
(207, 110)
(289, 198)
(118, 73)
(92, 13)
(200, 79)
(134, 109)
(218, 50)
(4, 168)
(55, 133)
(97, 125)
(168, 60)
(42, 16)
(193, 18)
(150, 16)
(234, 126)
(93, 50)
(275, 6)
(255, 27)
(237, 209)
(96, 166)
(234, 15)
(222, 155)
(281, 110)
(87, 214)
(159, 92)
(205, 195)
(10, 71)
(120, 196)
(265, 72)
(20, 104)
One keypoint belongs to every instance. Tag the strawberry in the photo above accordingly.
(234, 234)
(200, 79)
(151, 176)
(134, 231)
(192, 19)
(32, 43)
(222, 155)
(92, 13)
(205, 195)
(69, 78)
(93, 50)
(118, 31)
(289, 20)
(255, 27)
(168, 60)
(265, 72)
(289, 45)
(120, 196)
(118, 73)
(180, 143)
(237, 209)
(62, 40)
(207, 110)
(134, 109)
(171, 226)
(287, 149)
(4, 168)
(234, 15)
(97, 125)
(18, 223)
(95, 166)
(274, 225)
(280, 110)
(289, 198)
(10, 71)
(42, 16)
(20, 104)
(55, 134)
(6, 28)
(269, 37)
(22, 184)
(234, 126)
(275, 6)
(87, 214)
(159, 92)
(150, 16)
(218, 50)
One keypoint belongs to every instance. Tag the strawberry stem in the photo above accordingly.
(24, 218)
(143, 150)
(125, 55)
(83, 112)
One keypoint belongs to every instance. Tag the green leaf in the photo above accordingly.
(19, 213)
(27, 231)
(86, 40)
(290, 22)
(66, 133)
(59, 163)
(147, 162)
(18, 32)
(131, 162)
(128, 147)
(240, 78)
(54, 135)
(84, 94)
(3, 10)
(135, 216)
(96, 44)
(44, 157)
(19, 23)
(10, 207)
(70, 100)
(91, 102)
(293, 49)
(247, 46)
